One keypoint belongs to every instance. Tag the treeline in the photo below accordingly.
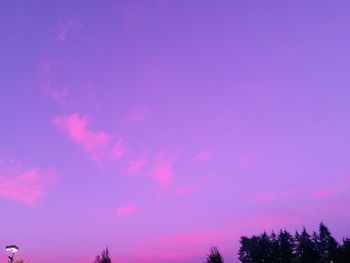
(318, 247)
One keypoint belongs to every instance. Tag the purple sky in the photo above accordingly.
(162, 128)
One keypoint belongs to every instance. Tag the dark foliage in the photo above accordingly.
(104, 257)
(306, 248)
(327, 247)
(214, 256)
(286, 247)
(319, 247)
(344, 251)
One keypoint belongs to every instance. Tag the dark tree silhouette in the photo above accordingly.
(344, 251)
(274, 248)
(286, 247)
(327, 246)
(214, 256)
(256, 249)
(104, 257)
(244, 253)
(306, 248)
(264, 248)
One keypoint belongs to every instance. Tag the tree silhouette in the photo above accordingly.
(264, 248)
(344, 251)
(275, 251)
(286, 247)
(214, 256)
(302, 248)
(327, 246)
(104, 257)
(306, 248)
(244, 253)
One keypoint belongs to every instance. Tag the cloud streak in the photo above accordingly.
(24, 185)
(135, 166)
(126, 210)
(163, 173)
(138, 116)
(202, 156)
(56, 92)
(98, 144)
(65, 28)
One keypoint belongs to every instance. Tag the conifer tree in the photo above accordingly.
(214, 256)
(327, 246)
(104, 257)
(344, 251)
(274, 248)
(244, 252)
(306, 249)
(286, 247)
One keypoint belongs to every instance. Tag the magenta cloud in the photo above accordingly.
(273, 195)
(64, 29)
(24, 185)
(126, 210)
(203, 156)
(326, 192)
(163, 173)
(163, 167)
(135, 166)
(118, 149)
(98, 144)
(137, 116)
(57, 92)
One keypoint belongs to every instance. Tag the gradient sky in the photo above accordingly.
(162, 128)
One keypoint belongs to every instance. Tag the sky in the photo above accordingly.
(161, 128)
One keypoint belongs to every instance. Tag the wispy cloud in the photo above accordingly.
(137, 116)
(126, 210)
(65, 28)
(58, 93)
(270, 196)
(326, 192)
(202, 156)
(23, 185)
(118, 149)
(247, 159)
(183, 190)
(98, 144)
(163, 167)
(163, 173)
(135, 166)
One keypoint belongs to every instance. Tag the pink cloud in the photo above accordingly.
(135, 165)
(64, 29)
(270, 196)
(118, 149)
(203, 156)
(183, 190)
(157, 255)
(99, 145)
(245, 161)
(267, 196)
(163, 173)
(162, 170)
(186, 190)
(58, 93)
(126, 210)
(137, 116)
(325, 192)
(26, 186)
(248, 157)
